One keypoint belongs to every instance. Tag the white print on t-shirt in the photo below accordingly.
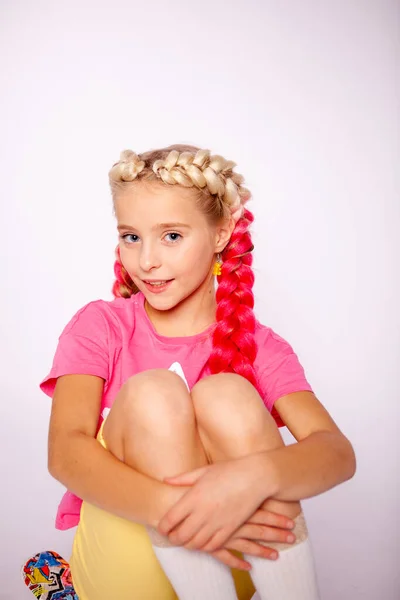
(175, 368)
(105, 412)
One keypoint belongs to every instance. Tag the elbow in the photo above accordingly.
(60, 454)
(353, 462)
(348, 459)
(54, 467)
(55, 463)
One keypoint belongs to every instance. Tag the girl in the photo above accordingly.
(189, 464)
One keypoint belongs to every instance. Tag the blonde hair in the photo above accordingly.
(187, 166)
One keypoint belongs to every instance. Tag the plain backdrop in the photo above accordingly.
(304, 97)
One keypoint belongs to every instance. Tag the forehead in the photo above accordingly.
(154, 199)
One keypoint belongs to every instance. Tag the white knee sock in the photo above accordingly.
(292, 575)
(194, 575)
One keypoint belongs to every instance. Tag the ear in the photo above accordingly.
(223, 234)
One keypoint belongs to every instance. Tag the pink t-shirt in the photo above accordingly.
(116, 339)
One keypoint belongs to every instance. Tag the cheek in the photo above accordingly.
(196, 262)
(127, 259)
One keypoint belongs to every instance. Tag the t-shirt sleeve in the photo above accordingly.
(280, 372)
(82, 348)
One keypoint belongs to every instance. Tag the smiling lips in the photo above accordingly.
(156, 281)
(157, 285)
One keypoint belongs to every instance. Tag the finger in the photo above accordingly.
(201, 540)
(174, 517)
(186, 478)
(218, 540)
(232, 561)
(248, 547)
(267, 517)
(188, 531)
(265, 533)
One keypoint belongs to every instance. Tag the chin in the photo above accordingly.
(162, 304)
(165, 301)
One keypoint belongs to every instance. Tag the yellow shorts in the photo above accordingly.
(113, 558)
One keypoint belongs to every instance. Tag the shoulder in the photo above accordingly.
(269, 343)
(90, 341)
(277, 366)
(102, 316)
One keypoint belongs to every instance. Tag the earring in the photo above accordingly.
(217, 266)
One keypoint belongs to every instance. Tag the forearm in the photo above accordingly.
(95, 475)
(311, 466)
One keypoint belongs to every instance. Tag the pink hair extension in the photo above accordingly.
(123, 286)
(234, 348)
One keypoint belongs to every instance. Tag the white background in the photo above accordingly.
(304, 97)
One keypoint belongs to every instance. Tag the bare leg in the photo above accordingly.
(233, 422)
(152, 428)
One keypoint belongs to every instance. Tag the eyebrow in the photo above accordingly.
(159, 226)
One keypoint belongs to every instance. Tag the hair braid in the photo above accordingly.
(123, 286)
(234, 348)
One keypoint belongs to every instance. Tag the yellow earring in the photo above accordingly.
(217, 266)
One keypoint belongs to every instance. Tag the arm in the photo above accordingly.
(225, 494)
(79, 462)
(322, 458)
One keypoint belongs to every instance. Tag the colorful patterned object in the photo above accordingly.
(48, 576)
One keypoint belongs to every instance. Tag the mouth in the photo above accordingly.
(157, 285)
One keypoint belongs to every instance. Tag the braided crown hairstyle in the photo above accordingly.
(219, 194)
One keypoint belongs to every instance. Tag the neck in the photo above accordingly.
(190, 317)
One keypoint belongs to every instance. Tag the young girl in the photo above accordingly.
(167, 402)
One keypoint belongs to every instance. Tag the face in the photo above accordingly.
(166, 243)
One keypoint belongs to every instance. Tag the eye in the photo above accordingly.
(174, 237)
(129, 235)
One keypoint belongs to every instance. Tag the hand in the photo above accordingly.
(222, 498)
(263, 525)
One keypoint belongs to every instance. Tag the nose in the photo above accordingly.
(149, 258)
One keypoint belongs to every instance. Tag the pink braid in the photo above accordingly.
(234, 348)
(123, 287)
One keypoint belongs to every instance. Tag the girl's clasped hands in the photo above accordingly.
(225, 509)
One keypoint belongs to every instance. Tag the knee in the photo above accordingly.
(229, 402)
(157, 397)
